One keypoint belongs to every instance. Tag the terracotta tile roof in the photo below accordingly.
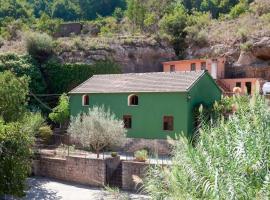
(139, 82)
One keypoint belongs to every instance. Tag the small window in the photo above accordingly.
(85, 100)
(193, 67)
(203, 66)
(133, 100)
(238, 84)
(127, 121)
(168, 123)
(172, 68)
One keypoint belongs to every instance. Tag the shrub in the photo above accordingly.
(230, 160)
(246, 46)
(16, 140)
(13, 96)
(141, 155)
(238, 9)
(45, 133)
(97, 129)
(61, 113)
(39, 45)
(114, 154)
(24, 65)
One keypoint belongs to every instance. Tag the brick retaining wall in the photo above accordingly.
(76, 169)
(158, 146)
(130, 168)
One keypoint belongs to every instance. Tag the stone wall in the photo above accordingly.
(157, 146)
(131, 169)
(76, 169)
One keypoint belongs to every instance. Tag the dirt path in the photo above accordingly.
(50, 189)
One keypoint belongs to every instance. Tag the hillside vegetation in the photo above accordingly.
(180, 21)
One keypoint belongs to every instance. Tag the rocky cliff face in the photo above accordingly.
(133, 54)
(139, 54)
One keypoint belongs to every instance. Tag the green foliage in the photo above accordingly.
(14, 159)
(60, 113)
(141, 155)
(136, 11)
(109, 26)
(15, 9)
(174, 25)
(114, 154)
(39, 46)
(68, 10)
(197, 22)
(47, 24)
(45, 133)
(24, 65)
(13, 96)
(239, 9)
(16, 139)
(230, 160)
(118, 14)
(246, 46)
(64, 77)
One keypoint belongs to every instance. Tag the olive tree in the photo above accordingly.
(97, 129)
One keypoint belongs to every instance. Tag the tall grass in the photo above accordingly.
(229, 161)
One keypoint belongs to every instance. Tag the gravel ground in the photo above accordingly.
(50, 189)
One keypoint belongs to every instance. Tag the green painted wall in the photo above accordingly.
(147, 117)
(204, 92)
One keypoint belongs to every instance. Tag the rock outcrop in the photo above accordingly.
(139, 54)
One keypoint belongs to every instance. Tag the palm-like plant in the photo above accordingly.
(230, 160)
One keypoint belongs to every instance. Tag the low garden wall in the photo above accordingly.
(158, 146)
(131, 169)
(75, 169)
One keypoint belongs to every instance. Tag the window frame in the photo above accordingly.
(83, 100)
(130, 100)
(172, 68)
(170, 125)
(203, 66)
(240, 84)
(128, 117)
(193, 65)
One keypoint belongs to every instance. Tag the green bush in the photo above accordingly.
(229, 161)
(45, 133)
(141, 155)
(16, 140)
(61, 113)
(246, 46)
(24, 65)
(114, 154)
(13, 96)
(39, 45)
(239, 9)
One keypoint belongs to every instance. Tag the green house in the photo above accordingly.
(152, 105)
